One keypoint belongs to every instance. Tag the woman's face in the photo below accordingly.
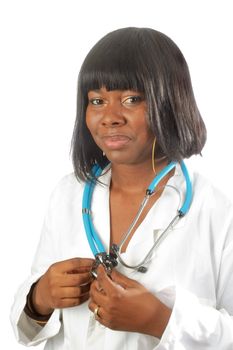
(118, 124)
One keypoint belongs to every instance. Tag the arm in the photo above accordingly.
(46, 267)
(26, 330)
(196, 324)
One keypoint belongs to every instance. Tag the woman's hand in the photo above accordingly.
(124, 304)
(65, 284)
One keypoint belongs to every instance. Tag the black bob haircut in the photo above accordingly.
(144, 60)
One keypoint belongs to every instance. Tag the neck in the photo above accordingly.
(134, 178)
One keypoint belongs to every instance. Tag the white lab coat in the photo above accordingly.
(191, 271)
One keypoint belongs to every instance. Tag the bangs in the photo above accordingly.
(115, 63)
(111, 80)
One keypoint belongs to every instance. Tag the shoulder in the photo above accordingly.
(68, 187)
(205, 190)
(212, 210)
(68, 181)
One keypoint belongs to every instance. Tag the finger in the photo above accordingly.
(77, 279)
(97, 310)
(122, 280)
(99, 313)
(74, 292)
(96, 285)
(73, 265)
(72, 302)
(104, 281)
(96, 295)
(117, 280)
(92, 306)
(79, 265)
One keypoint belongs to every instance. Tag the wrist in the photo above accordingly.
(32, 311)
(163, 314)
(159, 319)
(38, 304)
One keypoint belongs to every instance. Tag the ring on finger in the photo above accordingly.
(96, 314)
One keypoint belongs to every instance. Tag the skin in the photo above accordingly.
(65, 284)
(123, 113)
(112, 113)
(124, 304)
(117, 121)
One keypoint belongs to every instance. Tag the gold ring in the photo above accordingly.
(96, 313)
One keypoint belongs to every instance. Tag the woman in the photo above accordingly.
(156, 283)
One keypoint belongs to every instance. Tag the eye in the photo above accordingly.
(96, 101)
(133, 100)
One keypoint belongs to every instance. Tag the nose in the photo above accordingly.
(113, 116)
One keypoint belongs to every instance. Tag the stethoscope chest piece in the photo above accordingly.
(107, 260)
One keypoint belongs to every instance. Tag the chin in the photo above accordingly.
(119, 160)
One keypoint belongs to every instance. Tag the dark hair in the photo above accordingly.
(148, 61)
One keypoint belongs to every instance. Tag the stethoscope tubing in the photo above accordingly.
(95, 242)
(93, 238)
(189, 191)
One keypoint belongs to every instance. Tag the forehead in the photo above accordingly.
(103, 90)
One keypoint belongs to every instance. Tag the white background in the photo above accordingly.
(42, 45)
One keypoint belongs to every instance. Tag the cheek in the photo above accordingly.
(92, 120)
(92, 127)
(144, 130)
(89, 122)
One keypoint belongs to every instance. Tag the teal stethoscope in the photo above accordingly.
(111, 260)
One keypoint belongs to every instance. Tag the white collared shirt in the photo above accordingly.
(191, 271)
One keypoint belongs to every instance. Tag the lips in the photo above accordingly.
(116, 141)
